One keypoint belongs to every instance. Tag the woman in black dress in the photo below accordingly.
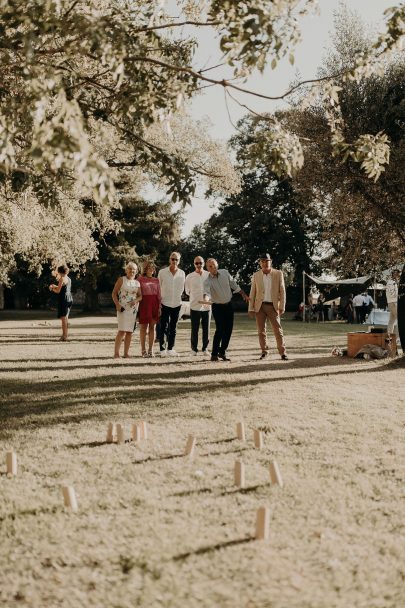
(65, 300)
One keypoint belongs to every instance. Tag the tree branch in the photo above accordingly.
(179, 24)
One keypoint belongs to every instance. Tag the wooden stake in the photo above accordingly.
(275, 475)
(258, 439)
(136, 432)
(11, 463)
(69, 497)
(190, 445)
(110, 432)
(120, 434)
(263, 523)
(239, 474)
(144, 429)
(240, 431)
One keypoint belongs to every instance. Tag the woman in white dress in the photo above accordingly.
(126, 295)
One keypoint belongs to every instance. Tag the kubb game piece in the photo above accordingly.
(120, 434)
(69, 497)
(110, 432)
(275, 475)
(258, 439)
(190, 445)
(239, 474)
(136, 432)
(144, 429)
(240, 431)
(11, 463)
(263, 523)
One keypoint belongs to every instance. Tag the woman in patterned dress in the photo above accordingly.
(149, 308)
(126, 295)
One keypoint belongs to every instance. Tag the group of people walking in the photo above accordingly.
(157, 300)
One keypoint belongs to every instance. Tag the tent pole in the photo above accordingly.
(303, 295)
(374, 298)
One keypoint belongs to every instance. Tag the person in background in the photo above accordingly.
(392, 301)
(199, 313)
(358, 302)
(218, 288)
(65, 299)
(267, 303)
(171, 281)
(149, 307)
(321, 307)
(349, 310)
(126, 295)
(368, 303)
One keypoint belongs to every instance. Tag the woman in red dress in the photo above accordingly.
(149, 307)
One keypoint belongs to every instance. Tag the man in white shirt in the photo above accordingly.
(171, 281)
(392, 301)
(199, 313)
(368, 302)
(358, 302)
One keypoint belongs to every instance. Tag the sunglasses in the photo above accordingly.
(174, 259)
(198, 263)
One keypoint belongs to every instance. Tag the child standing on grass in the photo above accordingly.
(65, 299)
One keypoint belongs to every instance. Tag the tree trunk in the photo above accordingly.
(401, 309)
(91, 303)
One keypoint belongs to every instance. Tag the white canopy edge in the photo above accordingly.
(356, 281)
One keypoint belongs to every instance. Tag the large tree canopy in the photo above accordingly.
(363, 220)
(84, 85)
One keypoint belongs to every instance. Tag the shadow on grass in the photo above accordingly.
(222, 493)
(212, 548)
(47, 403)
(36, 511)
(182, 455)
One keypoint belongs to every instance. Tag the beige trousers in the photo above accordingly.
(268, 312)
(393, 320)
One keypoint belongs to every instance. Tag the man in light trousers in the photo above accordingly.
(267, 303)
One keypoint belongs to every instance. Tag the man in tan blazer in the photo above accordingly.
(267, 301)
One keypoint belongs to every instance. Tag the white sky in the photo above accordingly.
(315, 38)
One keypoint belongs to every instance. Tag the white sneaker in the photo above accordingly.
(206, 353)
(172, 353)
(193, 353)
(163, 353)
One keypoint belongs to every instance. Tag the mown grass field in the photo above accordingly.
(157, 529)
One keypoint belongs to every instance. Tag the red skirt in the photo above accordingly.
(149, 309)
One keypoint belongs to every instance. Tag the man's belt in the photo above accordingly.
(267, 302)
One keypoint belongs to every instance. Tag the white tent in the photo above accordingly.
(355, 281)
(319, 281)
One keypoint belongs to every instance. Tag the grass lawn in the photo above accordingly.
(156, 529)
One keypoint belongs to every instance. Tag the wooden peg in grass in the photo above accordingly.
(11, 463)
(239, 474)
(136, 432)
(69, 497)
(144, 429)
(258, 439)
(275, 475)
(190, 446)
(110, 432)
(263, 523)
(120, 434)
(240, 431)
